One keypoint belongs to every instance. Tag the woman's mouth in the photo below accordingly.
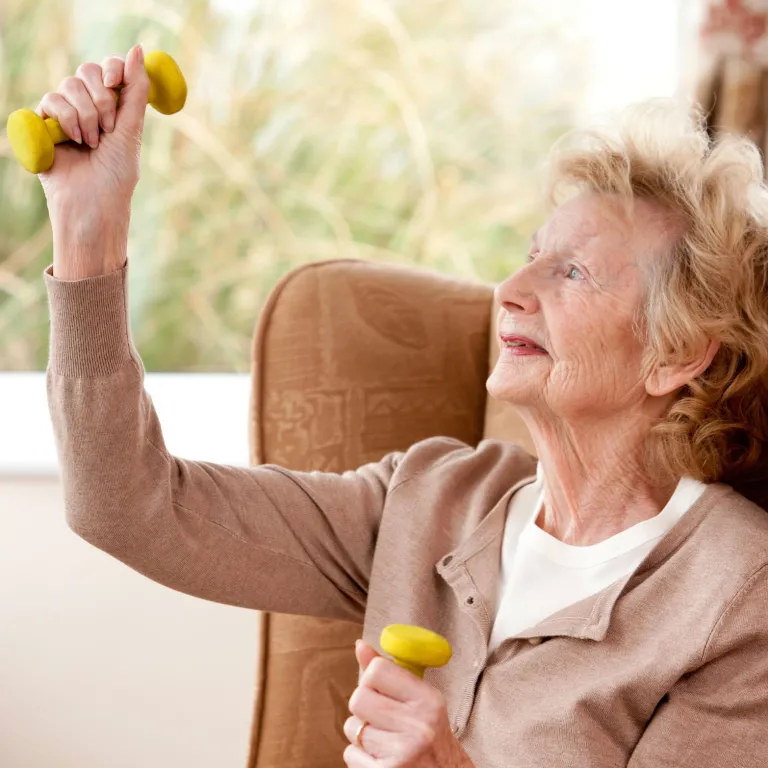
(513, 345)
(510, 350)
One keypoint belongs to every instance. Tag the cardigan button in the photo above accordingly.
(534, 640)
(447, 559)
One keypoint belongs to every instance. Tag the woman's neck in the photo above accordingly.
(594, 482)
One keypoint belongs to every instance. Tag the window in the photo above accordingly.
(390, 130)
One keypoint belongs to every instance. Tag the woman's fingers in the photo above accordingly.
(74, 91)
(82, 104)
(56, 106)
(113, 68)
(372, 739)
(103, 98)
(86, 101)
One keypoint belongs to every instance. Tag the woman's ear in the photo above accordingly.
(664, 379)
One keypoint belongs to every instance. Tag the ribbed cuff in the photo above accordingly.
(90, 328)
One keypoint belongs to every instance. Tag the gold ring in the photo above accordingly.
(359, 733)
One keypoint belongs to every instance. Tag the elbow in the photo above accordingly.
(96, 530)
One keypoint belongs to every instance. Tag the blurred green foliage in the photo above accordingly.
(389, 130)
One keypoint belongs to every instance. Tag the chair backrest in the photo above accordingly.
(351, 360)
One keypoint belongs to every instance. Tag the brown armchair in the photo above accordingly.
(352, 360)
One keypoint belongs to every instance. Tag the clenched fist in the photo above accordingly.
(90, 185)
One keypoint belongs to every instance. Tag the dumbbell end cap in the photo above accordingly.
(168, 88)
(415, 645)
(30, 141)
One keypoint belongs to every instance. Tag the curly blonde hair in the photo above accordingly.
(712, 283)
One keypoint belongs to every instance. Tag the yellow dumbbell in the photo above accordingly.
(32, 138)
(415, 648)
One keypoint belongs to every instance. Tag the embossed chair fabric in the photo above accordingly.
(352, 360)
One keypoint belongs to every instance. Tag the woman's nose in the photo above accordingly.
(516, 294)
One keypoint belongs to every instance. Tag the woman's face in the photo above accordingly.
(576, 297)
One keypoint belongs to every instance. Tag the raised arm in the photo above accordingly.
(263, 537)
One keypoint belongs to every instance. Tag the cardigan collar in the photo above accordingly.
(479, 556)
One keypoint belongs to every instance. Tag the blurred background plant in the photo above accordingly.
(390, 130)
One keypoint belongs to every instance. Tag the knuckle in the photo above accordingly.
(112, 71)
(354, 700)
(88, 109)
(88, 68)
(89, 119)
(361, 702)
(69, 83)
(66, 111)
(104, 102)
(375, 669)
(379, 665)
(350, 728)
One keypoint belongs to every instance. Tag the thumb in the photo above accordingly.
(135, 91)
(365, 653)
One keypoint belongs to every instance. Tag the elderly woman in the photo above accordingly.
(608, 603)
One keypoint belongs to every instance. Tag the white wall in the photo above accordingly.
(102, 668)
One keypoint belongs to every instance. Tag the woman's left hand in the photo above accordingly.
(408, 724)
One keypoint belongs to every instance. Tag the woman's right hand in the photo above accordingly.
(89, 187)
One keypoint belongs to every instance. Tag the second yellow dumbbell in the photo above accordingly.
(415, 648)
(32, 139)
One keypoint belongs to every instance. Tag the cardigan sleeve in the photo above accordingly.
(717, 715)
(261, 537)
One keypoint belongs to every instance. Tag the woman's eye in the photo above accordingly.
(573, 270)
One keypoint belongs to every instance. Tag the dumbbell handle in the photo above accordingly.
(55, 131)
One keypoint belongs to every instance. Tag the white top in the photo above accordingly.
(541, 575)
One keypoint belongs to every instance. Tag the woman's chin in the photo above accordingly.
(510, 386)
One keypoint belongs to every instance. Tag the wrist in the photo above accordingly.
(85, 248)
